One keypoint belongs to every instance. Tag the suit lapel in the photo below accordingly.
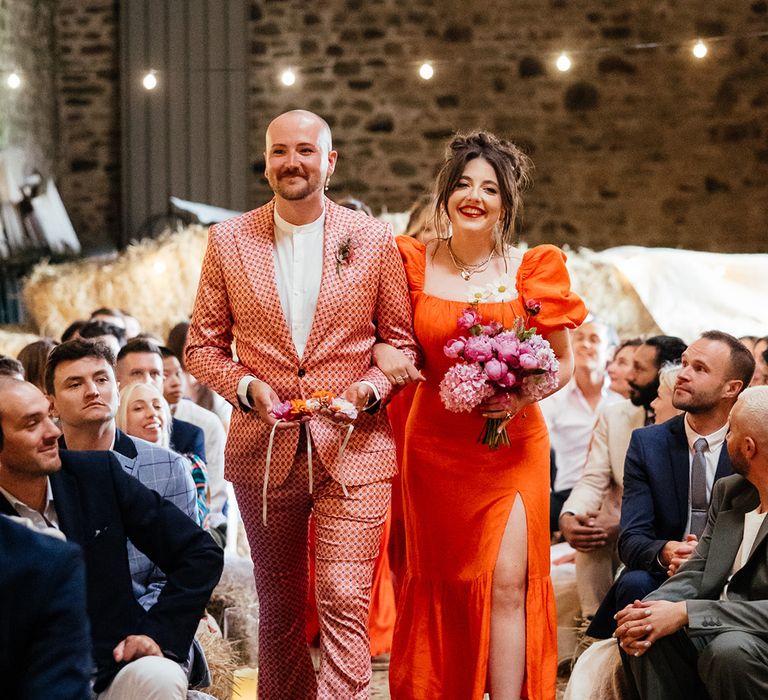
(726, 538)
(255, 243)
(679, 456)
(5, 507)
(66, 499)
(331, 282)
(724, 466)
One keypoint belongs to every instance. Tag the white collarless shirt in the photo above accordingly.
(298, 257)
(715, 443)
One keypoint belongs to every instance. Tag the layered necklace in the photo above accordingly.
(466, 270)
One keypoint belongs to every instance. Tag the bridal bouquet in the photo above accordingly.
(493, 361)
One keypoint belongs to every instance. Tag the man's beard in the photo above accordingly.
(690, 403)
(739, 462)
(300, 190)
(643, 395)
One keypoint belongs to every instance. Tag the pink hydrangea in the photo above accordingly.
(464, 387)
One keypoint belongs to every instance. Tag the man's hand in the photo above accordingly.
(359, 395)
(135, 646)
(642, 623)
(682, 554)
(582, 532)
(262, 398)
(674, 553)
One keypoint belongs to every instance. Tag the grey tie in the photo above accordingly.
(699, 501)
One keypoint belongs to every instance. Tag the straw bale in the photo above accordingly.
(154, 279)
(11, 341)
(223, 659)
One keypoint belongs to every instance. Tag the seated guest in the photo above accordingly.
(88, 496)
(174, 387)
(144, 413)
(140, 360)
(108, 333)
(760, 378)
(670, 470)
(702, 634)
(590, 518)
(113, 316)
(73, 330)
(132, 324)
(200, 393)
(663, 408)
(45, 643)
(10, 367)
(83, 393)
(620, 366)
(33, 358)
(571, 412)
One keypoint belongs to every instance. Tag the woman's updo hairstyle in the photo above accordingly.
(512, 168)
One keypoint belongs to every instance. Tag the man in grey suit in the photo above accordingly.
(704, 632)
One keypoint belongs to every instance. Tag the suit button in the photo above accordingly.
(302, 371)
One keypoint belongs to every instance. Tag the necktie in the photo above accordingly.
(699, 501)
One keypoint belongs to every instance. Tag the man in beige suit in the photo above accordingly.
(590, 517)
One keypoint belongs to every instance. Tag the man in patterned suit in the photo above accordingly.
(304, 288)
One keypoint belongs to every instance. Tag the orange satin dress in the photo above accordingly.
(458, 495)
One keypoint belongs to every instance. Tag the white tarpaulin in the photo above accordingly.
(688, 292)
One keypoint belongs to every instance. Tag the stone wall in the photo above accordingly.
(88, 103)
(648, 147)
(631, 147)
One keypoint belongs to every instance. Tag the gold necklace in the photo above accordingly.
(466, 270)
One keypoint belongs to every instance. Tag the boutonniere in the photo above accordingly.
(532, 307)
(344, 254)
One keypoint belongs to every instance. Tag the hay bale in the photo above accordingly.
(11, 341)
(155, 280)
(222, 660)
(236, 588)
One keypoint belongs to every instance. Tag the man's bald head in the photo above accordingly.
(748, 434)
(299, 119)
(299, 160)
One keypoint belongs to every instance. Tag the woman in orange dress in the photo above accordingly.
(476, 608)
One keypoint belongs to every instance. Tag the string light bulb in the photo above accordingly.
(13, 81)
(288, 77)
(426, 71)
(149, 81)
(563, 63)
(700, 49)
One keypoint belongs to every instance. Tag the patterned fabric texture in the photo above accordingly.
(363, 299)
(166, 473)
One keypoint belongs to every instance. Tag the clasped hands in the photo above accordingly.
(643, 622)
(588, 531)
(135, 646)
(263, 399)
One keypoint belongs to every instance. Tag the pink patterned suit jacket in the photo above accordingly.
(364, 299)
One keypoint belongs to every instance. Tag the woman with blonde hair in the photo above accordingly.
(662, 405)
(145, 414)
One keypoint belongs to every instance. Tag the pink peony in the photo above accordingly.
(508, 380)
(532, 306)
(493, 328)
(478, 348)
(506, 346)
(495, 370)
(455, 348)
(528, 361)
(468, 318)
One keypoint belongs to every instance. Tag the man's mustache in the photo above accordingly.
(291, 172)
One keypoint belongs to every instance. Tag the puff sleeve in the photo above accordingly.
(543, 277)
(413, 255)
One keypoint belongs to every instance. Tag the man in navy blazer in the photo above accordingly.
(658, 530)
(45, 643)
(89, 497)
